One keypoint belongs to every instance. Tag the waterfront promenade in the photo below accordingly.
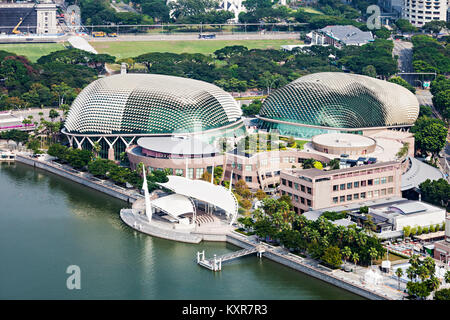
(351, 281)
(84, 178)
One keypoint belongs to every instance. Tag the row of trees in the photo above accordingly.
(412, 231)
(440, 88)
(429, 55)
(241, 69)
(276, 221)
(54, 80)
(103, 168)
(436, 192)
(423, 280)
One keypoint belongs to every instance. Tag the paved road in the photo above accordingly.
(403, 49)
(194, 36)
(425, 99)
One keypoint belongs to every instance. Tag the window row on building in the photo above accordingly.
(362, 183)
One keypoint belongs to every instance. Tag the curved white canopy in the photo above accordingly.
(204, 191)
(174, 205)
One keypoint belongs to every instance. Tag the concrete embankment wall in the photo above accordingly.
(71, 176)
(319, 274)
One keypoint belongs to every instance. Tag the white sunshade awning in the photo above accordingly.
(203, 191)
(174, 205)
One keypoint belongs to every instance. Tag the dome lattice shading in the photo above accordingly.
(341, 100)
(150, 103)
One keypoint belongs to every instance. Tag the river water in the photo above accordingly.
(48, 223)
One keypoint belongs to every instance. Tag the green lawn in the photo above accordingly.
(125, 49)
(32, 51)
(312, 10)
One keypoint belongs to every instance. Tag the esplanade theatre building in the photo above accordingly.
(119, 110)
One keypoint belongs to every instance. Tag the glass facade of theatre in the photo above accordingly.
(337, 100)
(285, 129)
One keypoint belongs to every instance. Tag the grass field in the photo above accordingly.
(32, 51)
(312, 10)
(125, 49)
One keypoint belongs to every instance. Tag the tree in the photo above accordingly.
(308, 163)
(443, 294)
(332, 256)
(334, 164)
(79, 158)
(191, 11)
(425, 271)
(61, 91)
(347, 253)
(441, 101)
(373, 254)
(100, 167)
(430, 53)
(242, 189)
(406, 231)
(355, 258)
(17, 136)
(157, 9)
(434, 26)
(53, 114)
(290, 238)
(369, 71)
(430, 135)
(230, 51)
(58, 150)
(260, 194)
(364, 209)
(318, 165)
(425, 111)
(403, 83)
(206, 176)
(96, 148)
(405, 26)
(399, 274)
(447, 277)
(252, 109)
(436, 192)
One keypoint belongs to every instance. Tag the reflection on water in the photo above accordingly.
(48, 223)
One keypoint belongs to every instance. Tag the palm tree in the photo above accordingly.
(315, 235)
(373, 254)
(447, 277)
(340, 233)
(414, 260)
(96, 147)
(350, 235)
(355, 257)
(399, 274)
(347, 253)
(410, 273)
(434, 283)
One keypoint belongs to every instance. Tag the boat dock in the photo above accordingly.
(215, 264)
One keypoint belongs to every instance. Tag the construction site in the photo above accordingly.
(31, 21)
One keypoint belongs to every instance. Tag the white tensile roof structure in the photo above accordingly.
(206, 192)
(174, 205)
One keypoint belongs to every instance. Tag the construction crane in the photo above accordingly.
(15, 30)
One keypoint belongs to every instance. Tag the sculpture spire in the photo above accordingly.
(148, 205)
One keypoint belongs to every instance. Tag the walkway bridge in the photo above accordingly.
(215, 264)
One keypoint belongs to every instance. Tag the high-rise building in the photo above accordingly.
(419, 12)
